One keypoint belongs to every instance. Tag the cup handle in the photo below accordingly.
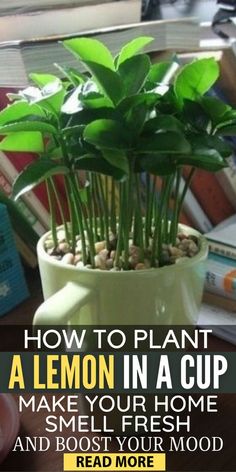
(60, 307)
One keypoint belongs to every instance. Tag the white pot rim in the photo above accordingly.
(200, 256)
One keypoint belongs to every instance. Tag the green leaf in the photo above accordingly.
(203, 142)
(90, 50)
(196, 79)
(50, 97)
(36, 173)
(163, 123)
(19, 110)
(107, 134)
(195, 115)
(43, 79)
(108, 80)
(215, 108)
(27, 141)
(117, 159)
(96, 163)
(131, 48)
(227, 129)
(157, 164)
(163, 142)
(207, 159)
(162, 72)
(134, 72)
(97, 101)
(76, 130)
(72, 74)
(135, 120)
(148, 99)
(40, 126)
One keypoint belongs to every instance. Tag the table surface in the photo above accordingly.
(33, 424)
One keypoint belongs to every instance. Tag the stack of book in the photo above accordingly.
(13, 289)
(49, 18)
(40, 53)
(220, 283)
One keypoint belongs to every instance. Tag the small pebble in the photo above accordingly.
(109, 264)
(80, 265)
(77, 258)
(140, 266)
(104, 253)
(113, 254)
(68, 258)
(99, 246)
(63, 247)
(61, 235)
(99, 262)
(49, 244)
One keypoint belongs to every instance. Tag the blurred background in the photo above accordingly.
(167, 9)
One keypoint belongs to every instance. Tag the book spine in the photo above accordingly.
(7, 189)
(195, 212)
(22, 160)
(220, 301)
(28, 256)
(222, 249)
(221, 278)
(227, 179)
(11, 173)
(210, 195)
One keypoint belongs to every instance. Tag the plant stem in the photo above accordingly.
(90, 206)
(148, 203)
(75, 219)
(174, 221)
(104, 206)
(158, 231)
(82, 218)
(54, 188)
(53, 222)
(139, 221)
(119, 246)
(185, 189)
(113, 207)
(99, 207)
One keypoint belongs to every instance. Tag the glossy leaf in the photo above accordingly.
(203, 142)
(135, 119)
(157, 164)
(196, 78)
(162, 72)
(23, 142)
(107, 134)
(227, 129)
(134, 72)
(148, 99)
(44, 79)
(19, 110)
(164, 142)
(163, 123)
(195, 114)
(72, 103)
(95, 163)
(207, 159)
(131, 48)
(108, 80)
(117, 159)
(215, 108)
(40, 126)
(72, 74)
(92, 50)
(36, 173)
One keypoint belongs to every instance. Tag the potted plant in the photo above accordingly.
(110, 131)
